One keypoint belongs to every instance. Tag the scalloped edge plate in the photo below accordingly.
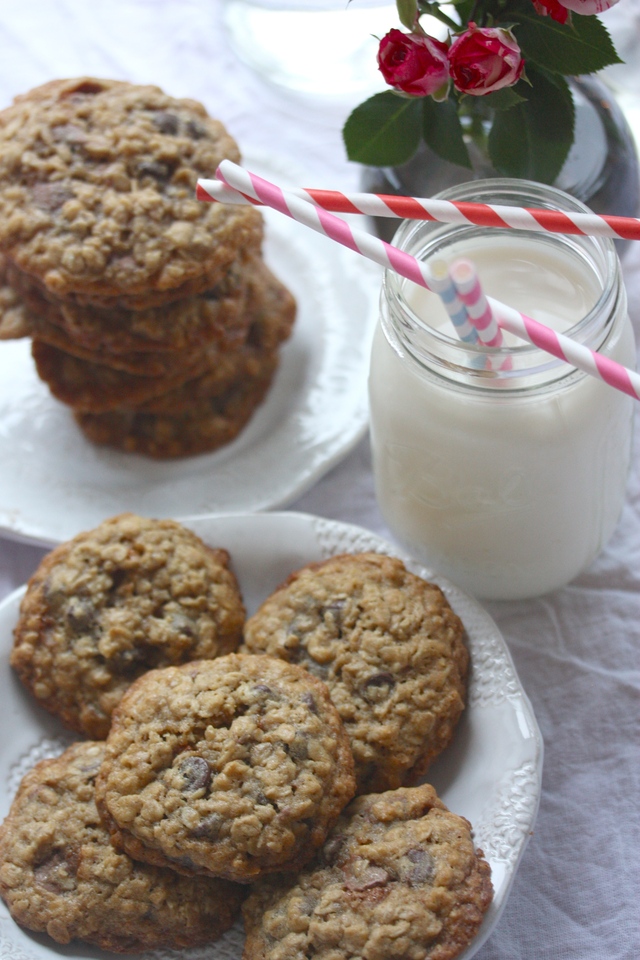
(491, 773)
(56, 482)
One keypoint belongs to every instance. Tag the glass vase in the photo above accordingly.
(601, 169)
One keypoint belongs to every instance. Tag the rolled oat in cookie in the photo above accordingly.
(388, 646)
(113, 602)
(235, 767)
(397, 878)
(60, 875)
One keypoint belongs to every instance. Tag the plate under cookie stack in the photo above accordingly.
(153, 316)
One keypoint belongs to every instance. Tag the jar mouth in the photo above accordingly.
(440, 349)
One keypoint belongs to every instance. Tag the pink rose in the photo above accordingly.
(413, 63)
(587, 7)
(484, 59)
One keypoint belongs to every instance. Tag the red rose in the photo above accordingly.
(553, 9)
(413, 63)
(484, 59)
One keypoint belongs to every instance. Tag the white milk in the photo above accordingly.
(525, 274)
(508, 487)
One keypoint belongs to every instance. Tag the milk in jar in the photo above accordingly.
(507, 481)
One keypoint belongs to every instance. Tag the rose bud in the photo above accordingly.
(484, 59)
(414, 63)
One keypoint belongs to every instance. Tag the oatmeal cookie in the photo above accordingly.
(103, 608)
(97, 193)
(97, 386)
(234, 767)
(206, 426)
(156, 363)
(140, 340)
(398, 877)
(60, 875)
(272, 311)
(388, 646)
(250, 364)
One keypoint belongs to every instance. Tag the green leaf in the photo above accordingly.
(532, 139)
(582, 47)
(502, 99)
(384, 131)
(442, 131)
(407, 11)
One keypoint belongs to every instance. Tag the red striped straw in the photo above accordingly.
(558, 345)
(467, 284)
(446, 211)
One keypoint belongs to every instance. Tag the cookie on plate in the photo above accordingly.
(388, 646)
(398, 877)
(208, 424)
(128, 596)
(215, 315)
(60, 875)
(93, 387)
(234, 767)
(97, 193)
(98, 385)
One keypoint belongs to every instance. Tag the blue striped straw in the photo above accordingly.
(466, 282)
(442, 284)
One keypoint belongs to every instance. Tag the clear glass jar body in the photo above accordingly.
(510, 481)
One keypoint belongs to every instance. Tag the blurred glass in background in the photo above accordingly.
(326, 48)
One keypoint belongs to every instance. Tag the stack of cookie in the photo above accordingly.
(153, 316)
(225, 765)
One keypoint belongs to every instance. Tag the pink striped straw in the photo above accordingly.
(467, 284)
(558, 345)
(446, 211)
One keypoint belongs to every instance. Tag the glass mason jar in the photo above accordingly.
(504, 469)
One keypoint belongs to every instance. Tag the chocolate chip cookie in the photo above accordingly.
(206, 426)
(140, 341)
(388, 646)
(93, 387)
(60, 875)
(97, 193)
(398, 877)
(97, 385)
(233, 767)
(128, 596)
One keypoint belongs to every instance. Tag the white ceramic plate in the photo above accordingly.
(54, 482)
(490, 774)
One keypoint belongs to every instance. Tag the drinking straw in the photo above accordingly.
(442, 284)
(385, 254)
(448, 211)
(466, 282)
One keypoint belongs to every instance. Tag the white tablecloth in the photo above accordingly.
(577, 651)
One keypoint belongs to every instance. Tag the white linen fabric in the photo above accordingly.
(577, 650)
